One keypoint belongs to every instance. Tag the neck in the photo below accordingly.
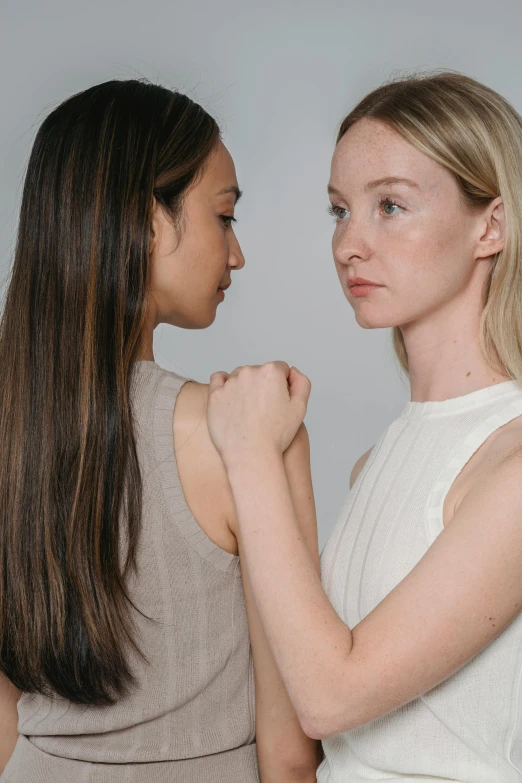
(444, 355)
(146, 351)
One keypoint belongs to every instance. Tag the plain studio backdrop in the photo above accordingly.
(279, 77)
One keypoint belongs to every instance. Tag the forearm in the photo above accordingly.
(276, 765)
(309, 641)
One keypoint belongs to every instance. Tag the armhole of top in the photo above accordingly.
(176, 505)
(367, 454)
(435, 508)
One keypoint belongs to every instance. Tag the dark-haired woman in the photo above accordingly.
(123, 615)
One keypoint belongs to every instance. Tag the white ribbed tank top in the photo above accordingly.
(468, 728)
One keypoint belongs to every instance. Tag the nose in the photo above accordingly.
(350, 242)
(236, 259)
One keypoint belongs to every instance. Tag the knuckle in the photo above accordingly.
(273, 368)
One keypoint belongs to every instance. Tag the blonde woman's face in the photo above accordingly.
(402, 224)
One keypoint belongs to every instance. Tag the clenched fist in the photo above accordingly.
(256, 408)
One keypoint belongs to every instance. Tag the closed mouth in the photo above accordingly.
(356, 281)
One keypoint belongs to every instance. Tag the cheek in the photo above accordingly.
(432, 253)
(434, 269)
(201, 266)
(209, 255)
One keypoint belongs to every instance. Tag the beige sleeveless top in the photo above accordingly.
(191, 718)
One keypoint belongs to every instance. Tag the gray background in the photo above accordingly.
(279, 78)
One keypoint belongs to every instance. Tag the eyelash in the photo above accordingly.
(227, 220)
(393, 202)
(333, 210)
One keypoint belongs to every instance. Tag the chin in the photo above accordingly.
(373, 320)
(201, 324)
(206, 320)
(193, 321)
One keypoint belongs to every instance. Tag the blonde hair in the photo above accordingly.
(476, 135)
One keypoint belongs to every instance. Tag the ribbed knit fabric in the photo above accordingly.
(468, 728)
(191, 717)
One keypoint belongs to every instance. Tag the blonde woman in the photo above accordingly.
(407, 660)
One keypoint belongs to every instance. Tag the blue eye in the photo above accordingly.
(388, 205)
(339, 213)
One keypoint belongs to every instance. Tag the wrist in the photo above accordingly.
(252, 461)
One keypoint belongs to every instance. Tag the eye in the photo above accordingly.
(227, 220)
(390, 207)
(339, 213)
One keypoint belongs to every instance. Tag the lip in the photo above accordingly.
(360, 281)
(221, 290)
(359, 286)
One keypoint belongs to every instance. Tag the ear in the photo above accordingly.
(155, 224)
(492, 229)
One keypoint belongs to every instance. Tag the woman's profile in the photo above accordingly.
(407, 660)
(124, 615)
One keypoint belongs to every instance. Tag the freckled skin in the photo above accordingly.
(424, 254)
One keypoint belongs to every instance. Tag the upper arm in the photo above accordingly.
(359, 465)
(9, 696)
(463, 592)
(200, 467)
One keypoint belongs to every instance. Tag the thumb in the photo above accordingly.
(217, 381)
(299, 386)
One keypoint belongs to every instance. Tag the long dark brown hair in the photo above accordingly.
(70, 485)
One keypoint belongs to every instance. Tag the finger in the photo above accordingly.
(217, 380)
(299, 386)
(283, 366)
(236, 371)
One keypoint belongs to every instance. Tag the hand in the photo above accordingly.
(256, 408)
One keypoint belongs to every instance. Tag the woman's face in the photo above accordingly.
(192, 262)
(402, 223)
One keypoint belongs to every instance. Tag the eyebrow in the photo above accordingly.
(231, 189)
(391, 181)
(376, 183)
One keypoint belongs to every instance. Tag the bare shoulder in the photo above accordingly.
(201, 470)
(502, 446)
(191, 407)
(497, 480)
(505, 465)
(359, 465)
